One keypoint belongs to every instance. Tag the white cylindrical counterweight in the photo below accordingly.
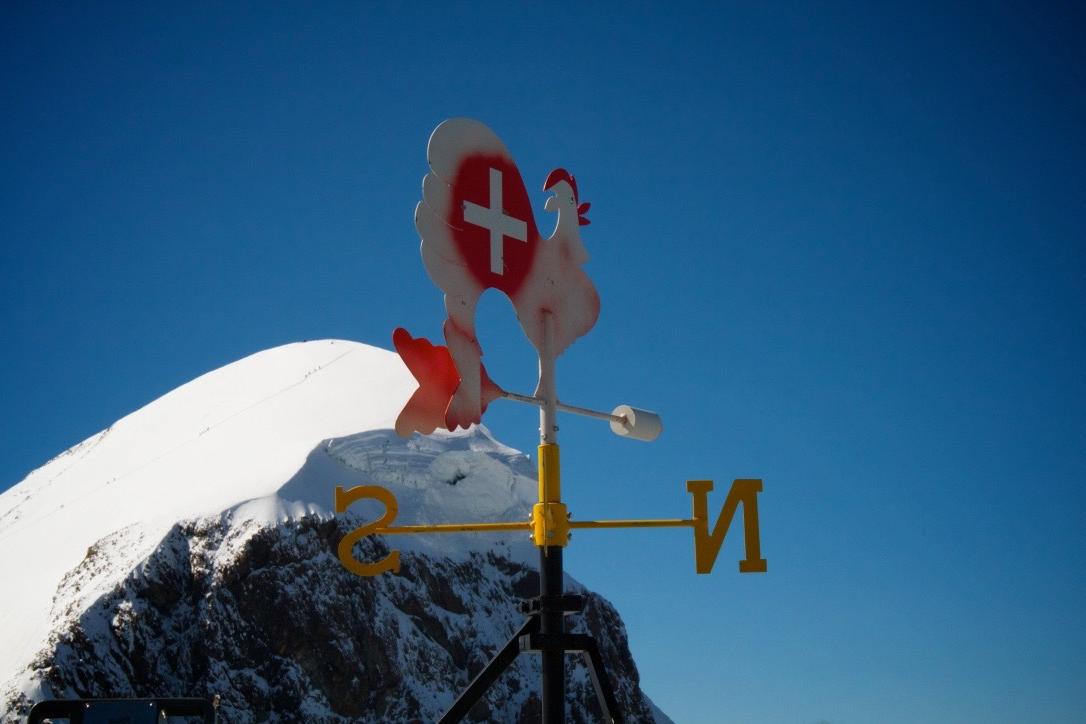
(636, 424)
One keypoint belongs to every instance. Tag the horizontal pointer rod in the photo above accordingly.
(538, 401)
(504, 527)
(455, 528)
(625, 421)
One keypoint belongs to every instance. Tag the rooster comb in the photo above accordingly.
(560, 174)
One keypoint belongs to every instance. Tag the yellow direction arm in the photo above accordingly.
(550, 523)
(707, 544)
(652, 523)
(454, 528)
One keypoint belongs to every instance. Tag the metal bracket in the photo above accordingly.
(569, 603)
(585, 645)
(528, 639)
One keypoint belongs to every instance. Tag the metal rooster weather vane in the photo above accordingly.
(478, 233)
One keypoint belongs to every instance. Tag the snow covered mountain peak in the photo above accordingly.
(225, 441)
(190, 549)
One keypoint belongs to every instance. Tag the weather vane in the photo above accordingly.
(478, 232)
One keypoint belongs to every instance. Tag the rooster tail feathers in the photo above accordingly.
(434, 369)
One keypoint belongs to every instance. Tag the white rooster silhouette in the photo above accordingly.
(478, 232)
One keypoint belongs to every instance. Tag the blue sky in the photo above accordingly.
(840, 248)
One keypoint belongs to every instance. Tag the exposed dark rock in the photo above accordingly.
(274, 625)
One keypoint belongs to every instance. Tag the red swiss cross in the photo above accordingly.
(493, 225)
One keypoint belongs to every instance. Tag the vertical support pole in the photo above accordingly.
(548, 411)
(550, 557)
(551, 624)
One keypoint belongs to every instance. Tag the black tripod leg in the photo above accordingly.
(489, 674)
(602, 683)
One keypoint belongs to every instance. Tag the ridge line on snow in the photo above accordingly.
(18, 525)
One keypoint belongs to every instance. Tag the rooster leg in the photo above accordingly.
(465, 407)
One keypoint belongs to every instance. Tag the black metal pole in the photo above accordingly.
(552, 624)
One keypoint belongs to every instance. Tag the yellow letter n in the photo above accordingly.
(707, 545)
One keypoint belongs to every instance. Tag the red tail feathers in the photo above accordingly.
(438, 378)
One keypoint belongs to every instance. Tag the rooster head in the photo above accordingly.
(554, 180)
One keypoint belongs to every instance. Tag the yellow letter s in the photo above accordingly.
(345, 498)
